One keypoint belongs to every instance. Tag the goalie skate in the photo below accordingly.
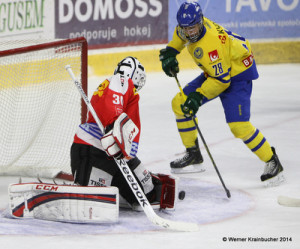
(273, 172)
(191, 162)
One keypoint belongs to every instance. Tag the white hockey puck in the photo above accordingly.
(181, 195)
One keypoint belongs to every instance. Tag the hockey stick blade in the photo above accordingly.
(174, 225)
(129, 177)
(288, 201)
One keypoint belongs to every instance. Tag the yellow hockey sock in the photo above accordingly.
(253, 139)
(258, 144)
(186, 126)
(187, 130)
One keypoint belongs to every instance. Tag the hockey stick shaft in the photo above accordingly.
(129, 177)
(204, 142)
(85, 98)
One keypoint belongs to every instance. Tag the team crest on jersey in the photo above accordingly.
(213, 55)
(198, 53)
(135, 91)
(101, 88)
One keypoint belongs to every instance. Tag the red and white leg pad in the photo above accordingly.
(66, 203)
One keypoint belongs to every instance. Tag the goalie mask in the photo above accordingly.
(132, 68)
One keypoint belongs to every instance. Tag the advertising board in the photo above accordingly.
(254, 19)
(30, 19)
(113, 23)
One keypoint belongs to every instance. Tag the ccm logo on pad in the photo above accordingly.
(130, 137)
(47, 187)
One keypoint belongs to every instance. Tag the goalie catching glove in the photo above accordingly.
(118, 142)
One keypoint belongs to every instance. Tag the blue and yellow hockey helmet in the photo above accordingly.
(190, 20)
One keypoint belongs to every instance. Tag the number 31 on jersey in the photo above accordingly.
(117, 99)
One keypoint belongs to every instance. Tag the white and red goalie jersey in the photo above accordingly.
(114, 96)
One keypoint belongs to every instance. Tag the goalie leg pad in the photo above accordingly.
(100, 178)
(144, 177)
(76, 204)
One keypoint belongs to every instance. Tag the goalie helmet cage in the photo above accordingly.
(40, 108)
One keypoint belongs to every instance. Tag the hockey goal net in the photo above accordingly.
(40, 108)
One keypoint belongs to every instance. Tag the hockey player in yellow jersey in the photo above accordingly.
(228, 66)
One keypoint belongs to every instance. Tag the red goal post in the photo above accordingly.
(40, 108)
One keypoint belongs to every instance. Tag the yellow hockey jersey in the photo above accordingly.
(224, 57)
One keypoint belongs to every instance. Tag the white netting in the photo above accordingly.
(11, 44)
(40, 109)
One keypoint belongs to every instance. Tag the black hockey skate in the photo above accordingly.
(190, 162)
(273, 175)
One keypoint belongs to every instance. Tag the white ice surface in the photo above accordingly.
(252, 212)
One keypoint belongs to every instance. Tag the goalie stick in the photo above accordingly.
(288, 201)
(129, 177)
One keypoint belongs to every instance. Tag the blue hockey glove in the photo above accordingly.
(192, 104)
(167, 56)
